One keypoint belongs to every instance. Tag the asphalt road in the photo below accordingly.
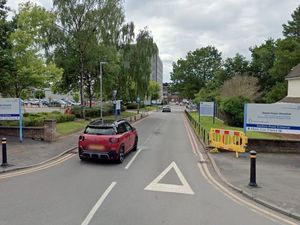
(161, 183)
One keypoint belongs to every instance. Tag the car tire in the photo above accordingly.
(135, 144)
(82, 159)
(121, 155)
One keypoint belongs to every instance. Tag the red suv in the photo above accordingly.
(107, 141)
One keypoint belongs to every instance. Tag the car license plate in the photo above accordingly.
(96, 147)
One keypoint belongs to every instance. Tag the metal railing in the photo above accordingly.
(200, 130)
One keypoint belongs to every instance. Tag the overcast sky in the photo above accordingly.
(179, 26)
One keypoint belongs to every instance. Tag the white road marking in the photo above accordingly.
(133, 158)
(185, 188)
(89, 217)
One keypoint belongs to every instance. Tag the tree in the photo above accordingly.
(153, 90)
(292, 28)
(27, 41)
(263, 58)
(191, 74)
(237, 65)
(140, 63)
(92, 31)
(241, 85)
(6, 60)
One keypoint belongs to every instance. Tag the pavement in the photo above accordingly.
(32, 152)
(277, 177)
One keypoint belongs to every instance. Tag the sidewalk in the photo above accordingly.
(32, 152)
(278, 177)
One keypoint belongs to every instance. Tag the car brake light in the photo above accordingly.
(113, 140)
(81, 138)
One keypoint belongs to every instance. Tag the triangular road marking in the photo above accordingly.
(183, 189)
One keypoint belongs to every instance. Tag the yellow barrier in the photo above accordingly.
(230, 140)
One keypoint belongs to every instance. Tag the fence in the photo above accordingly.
(202, 132)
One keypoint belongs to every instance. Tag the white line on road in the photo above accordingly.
(133, 158)
(87, 220)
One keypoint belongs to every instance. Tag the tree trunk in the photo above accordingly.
(82, 112)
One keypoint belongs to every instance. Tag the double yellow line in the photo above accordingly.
(36, 168)
(231, 195)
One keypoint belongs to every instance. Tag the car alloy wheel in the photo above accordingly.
(121, 155)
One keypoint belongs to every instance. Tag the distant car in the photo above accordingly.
(166, 108)
(111, 141)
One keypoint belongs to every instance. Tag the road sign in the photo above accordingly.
(9, 109)
(206, 108)
(274, 118)
(184, 188)
(138, 99)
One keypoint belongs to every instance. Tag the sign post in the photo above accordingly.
(207, 109)
(11, 109)
(272, 118)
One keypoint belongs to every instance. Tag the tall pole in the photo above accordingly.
(101, 97)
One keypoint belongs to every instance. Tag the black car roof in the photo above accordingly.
(99, 122)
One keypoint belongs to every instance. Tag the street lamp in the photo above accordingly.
(101, 100)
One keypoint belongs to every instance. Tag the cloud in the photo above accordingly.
(179, 26)
(232, 26)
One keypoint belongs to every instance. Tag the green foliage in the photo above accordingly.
(292, 28)
(237, 65)
(76, 96)
(263, 58)
(134, 105)
(153, 90)
(27, 42)
(191, 74)
(140, 63)
(39, 94)
(37, 119)
(94, 112)
(234, 108)
(278, 92)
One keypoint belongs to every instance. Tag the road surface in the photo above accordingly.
(167, 181)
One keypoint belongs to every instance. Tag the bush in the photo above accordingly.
(134, 105)
(234, 109)
(37, 119)
(94, 111)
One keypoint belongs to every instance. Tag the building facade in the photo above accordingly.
(293, 79)
(157, 73)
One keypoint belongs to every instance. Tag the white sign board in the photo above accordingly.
(274, 118)
(118, 105)
(207, 108)
(9, 109)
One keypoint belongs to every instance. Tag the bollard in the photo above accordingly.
(253, 169)
(4, 154)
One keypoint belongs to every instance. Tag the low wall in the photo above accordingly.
(265, 145)
(45, 133)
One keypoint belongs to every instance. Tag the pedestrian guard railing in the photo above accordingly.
(229, 140)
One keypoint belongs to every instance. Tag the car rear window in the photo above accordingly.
(100, 130)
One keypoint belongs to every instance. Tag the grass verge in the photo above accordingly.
(76, 126)
(207, 122)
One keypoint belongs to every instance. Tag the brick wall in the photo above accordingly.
(265, 145)
(46, 133)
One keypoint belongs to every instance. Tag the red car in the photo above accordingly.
(107, 141)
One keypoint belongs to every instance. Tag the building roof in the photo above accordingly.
(295, 72)
(290, 100)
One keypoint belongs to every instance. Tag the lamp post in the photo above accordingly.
(101, 98)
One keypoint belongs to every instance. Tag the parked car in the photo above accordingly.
(166, 108)
(111, 141)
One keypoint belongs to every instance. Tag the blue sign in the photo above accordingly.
(206, 108)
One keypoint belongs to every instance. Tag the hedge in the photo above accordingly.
(37, 119)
